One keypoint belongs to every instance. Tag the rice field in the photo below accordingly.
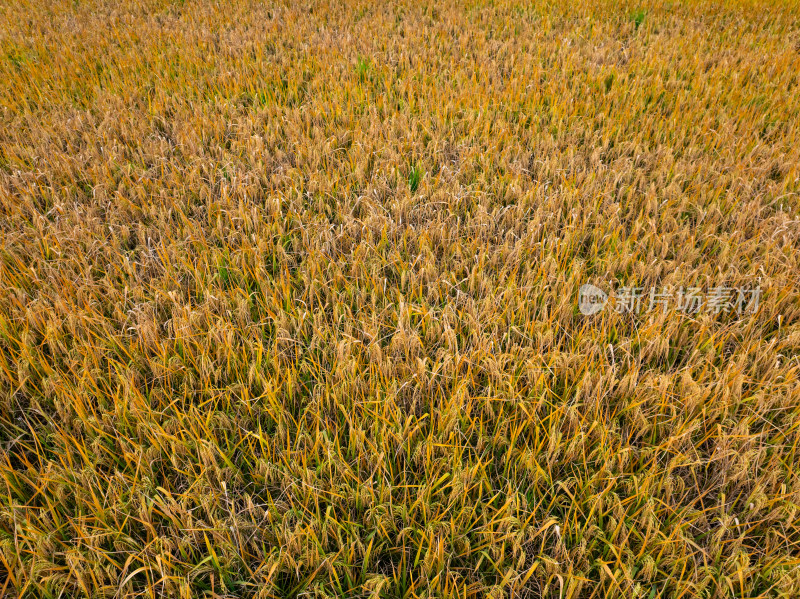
(291, 299)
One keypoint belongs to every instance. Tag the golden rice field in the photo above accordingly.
(289, 299)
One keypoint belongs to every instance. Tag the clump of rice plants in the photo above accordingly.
(637, 17)
(414, 178)
(362, 69)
